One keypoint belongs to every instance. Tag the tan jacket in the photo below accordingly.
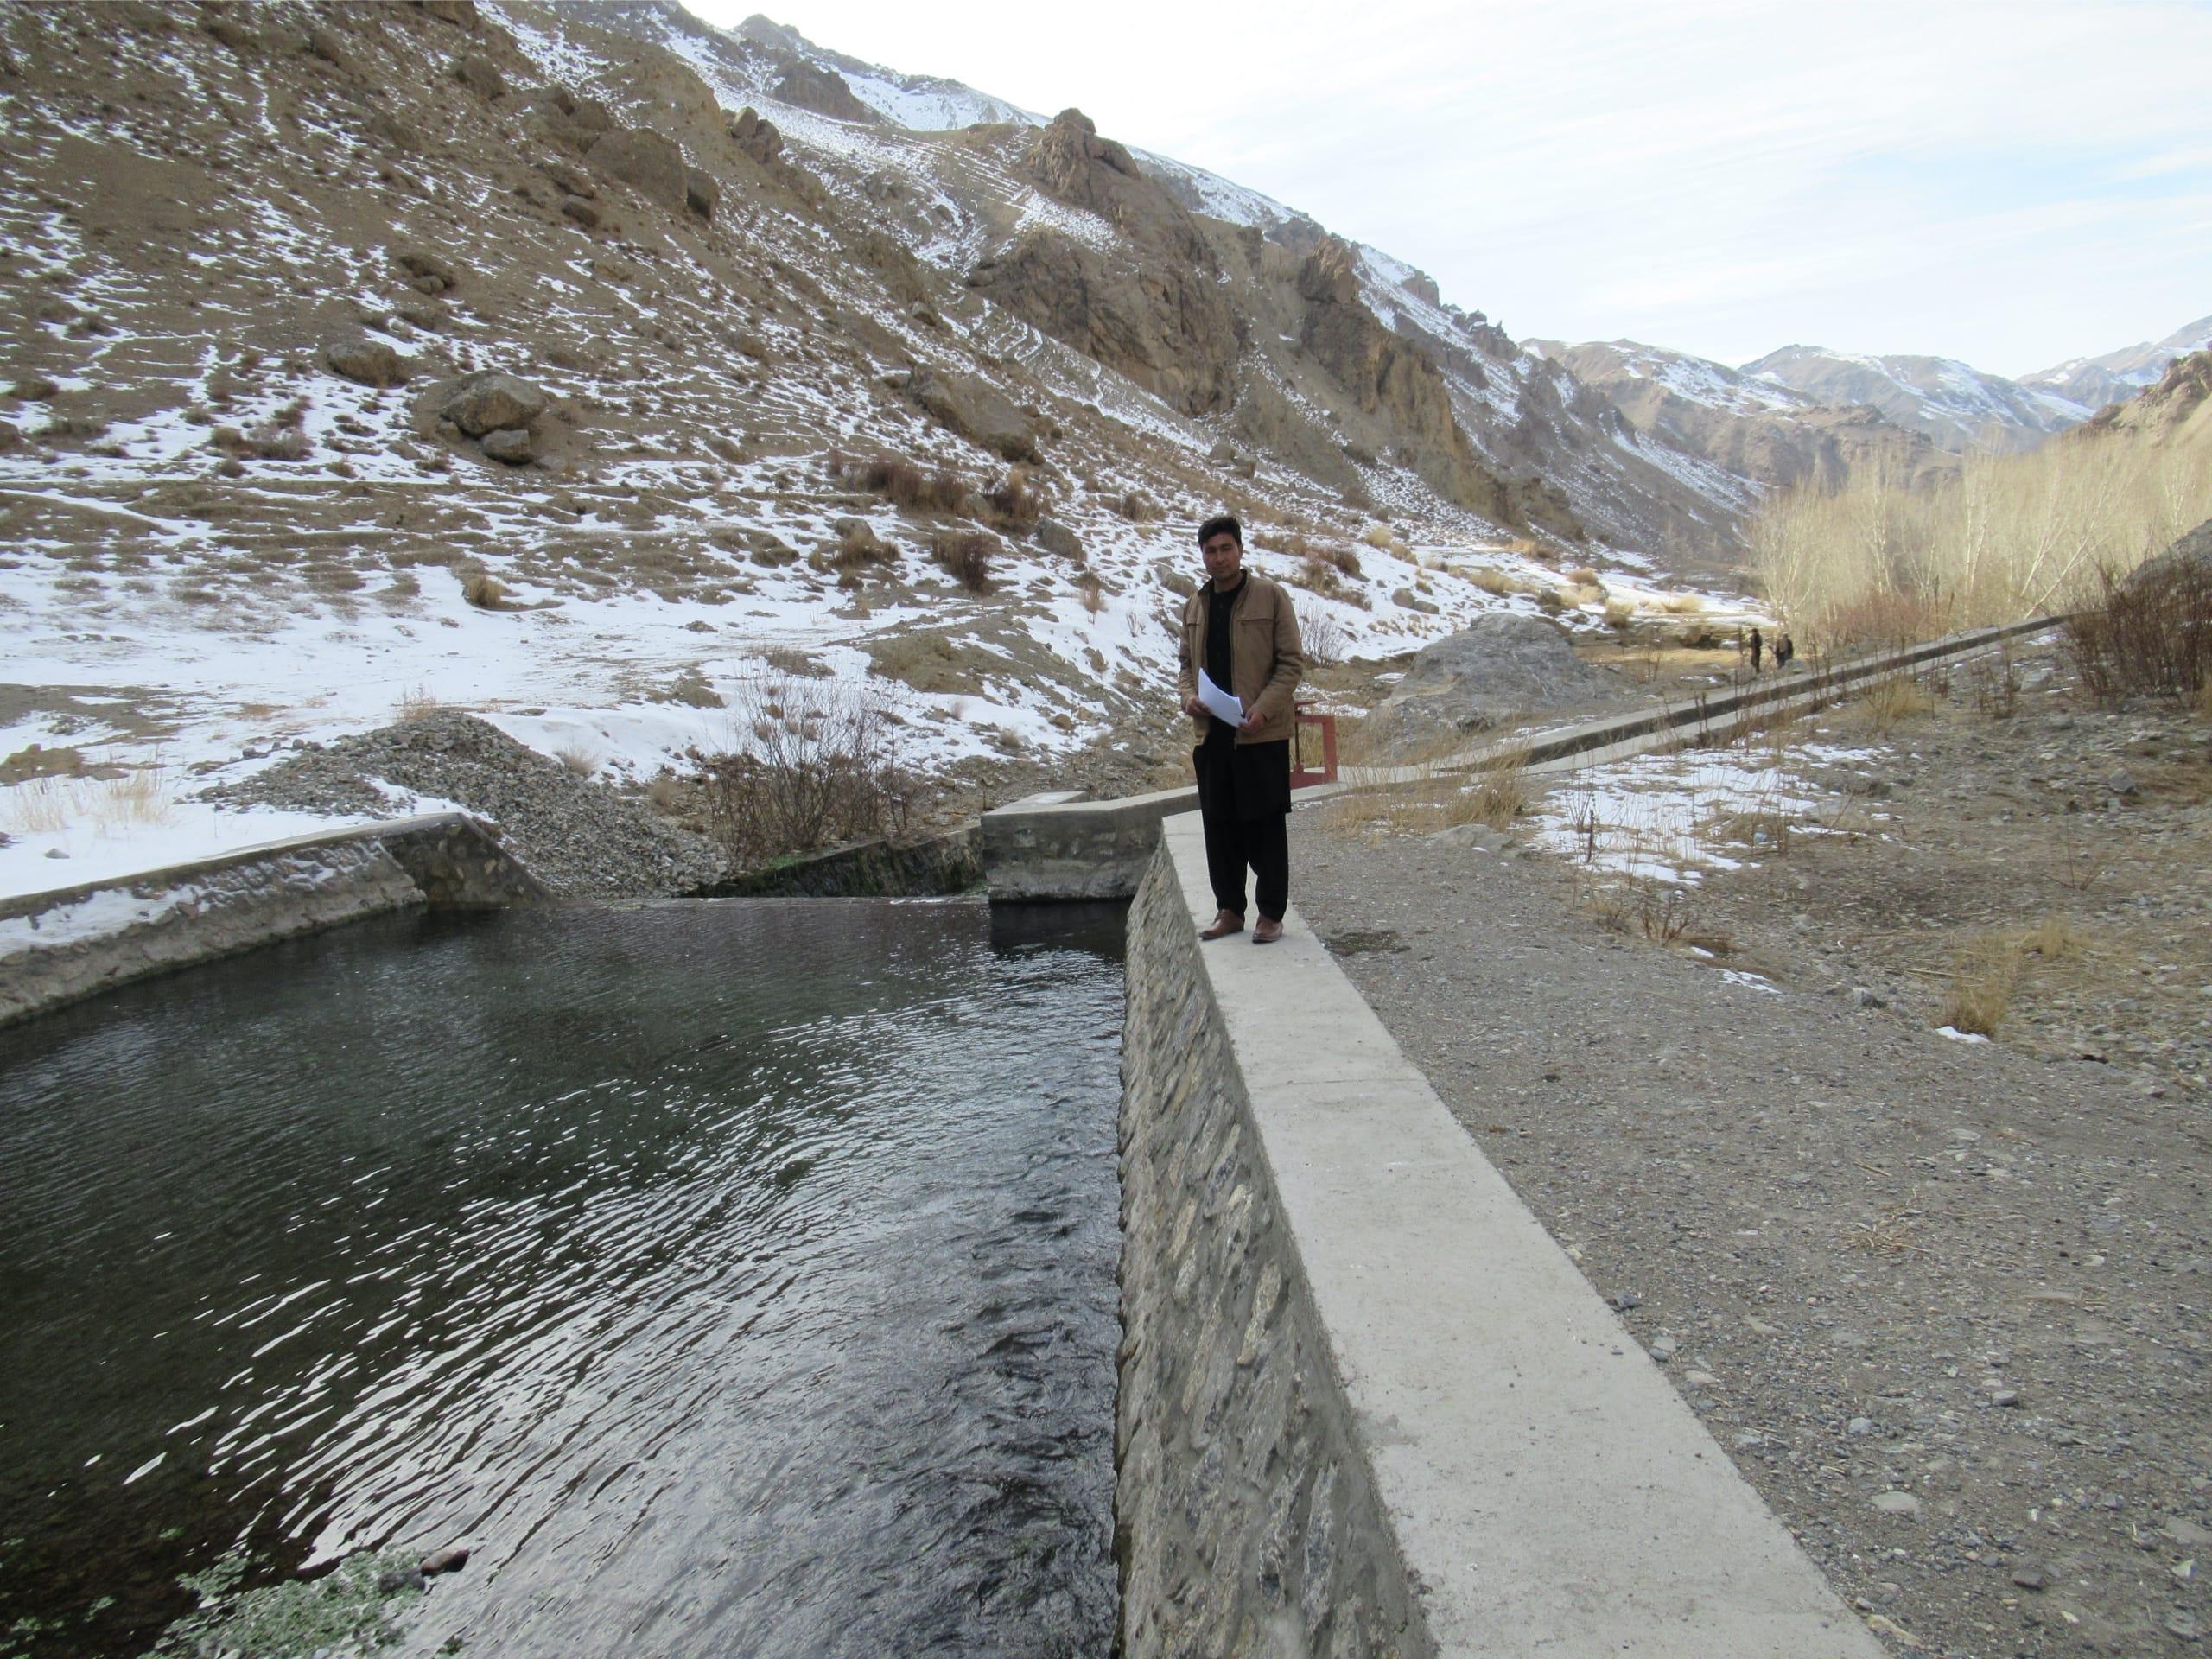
(1265, 657)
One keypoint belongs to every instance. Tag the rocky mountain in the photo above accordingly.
(1743, 424)
(2093, 382)
(1956, 406)
(2176, 409)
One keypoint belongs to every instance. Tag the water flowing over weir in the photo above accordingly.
(733, 1277)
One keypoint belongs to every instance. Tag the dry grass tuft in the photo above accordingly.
(901, 481)
(1889, 702)
(52, 806)
(2054, 939)
(966, 556)
(483, 590)
(581, 759)
(418, 704)
(1983, 979)
(1015, 503)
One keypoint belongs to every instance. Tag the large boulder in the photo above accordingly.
(2194, 549)
(364, 360)
(974, 411)
(701, 193)
(1500, 666)
(491, 402)
(645, 160)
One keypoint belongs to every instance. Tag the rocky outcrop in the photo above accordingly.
(820, 88)
(2192, 550)
(2176, 404)
(646, 162)
(1153, 308)
(974, 411)
(757, 138)
(1392, 378)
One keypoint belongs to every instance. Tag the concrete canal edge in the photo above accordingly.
(1058, 846)
(58, 946)
(1367, 1405)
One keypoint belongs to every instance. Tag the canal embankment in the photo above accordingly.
(1367, 1403)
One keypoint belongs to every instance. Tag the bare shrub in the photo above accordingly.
(1015, 502)
(2007, 538)
(1137, 507)
(1092, 591)
(1993, 683)
(1323, 639)
(281, 437)
(966, 556)
(859, 548)
(1495, 582)
(812, 764)
(418, 704)
(1382, 537)
(901, 481)
(581, 759)
(1983, 979)
(2152, 637)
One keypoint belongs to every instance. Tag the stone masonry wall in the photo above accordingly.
(1246, 1521)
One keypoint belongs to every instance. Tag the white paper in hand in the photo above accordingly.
(1218, 703)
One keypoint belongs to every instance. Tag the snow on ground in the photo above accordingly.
(1671, 818)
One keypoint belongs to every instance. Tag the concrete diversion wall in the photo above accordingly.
(56, 947)
(1368, 1406)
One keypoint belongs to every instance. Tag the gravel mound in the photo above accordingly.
(1501, 666)
(582, 841)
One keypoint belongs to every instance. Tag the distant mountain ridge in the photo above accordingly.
(2117, 376)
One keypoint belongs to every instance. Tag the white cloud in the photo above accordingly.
(1719, 176)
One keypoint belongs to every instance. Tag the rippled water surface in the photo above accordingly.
(733, 1278)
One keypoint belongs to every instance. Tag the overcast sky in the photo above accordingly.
(2013, 184)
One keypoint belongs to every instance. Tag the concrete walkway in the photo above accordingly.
(1548, 1490)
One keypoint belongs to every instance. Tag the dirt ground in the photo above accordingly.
(1943, 1301)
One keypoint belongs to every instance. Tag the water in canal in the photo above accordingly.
(730, 1278)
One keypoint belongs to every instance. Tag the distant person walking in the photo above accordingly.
(1785, 652)
(1240, 634)
(1758, 646)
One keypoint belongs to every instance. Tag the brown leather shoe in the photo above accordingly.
(1265, 931)
(1225, 922)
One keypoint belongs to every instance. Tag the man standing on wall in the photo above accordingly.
(1241, 663)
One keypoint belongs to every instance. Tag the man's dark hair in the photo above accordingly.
(1218, 523)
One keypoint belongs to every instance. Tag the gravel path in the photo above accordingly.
(1944, 1303)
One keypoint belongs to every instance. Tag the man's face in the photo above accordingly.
(1223, 555)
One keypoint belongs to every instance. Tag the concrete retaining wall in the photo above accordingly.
(1368, 1406)
(944, 864)
(1056, 847)
(58, 946)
